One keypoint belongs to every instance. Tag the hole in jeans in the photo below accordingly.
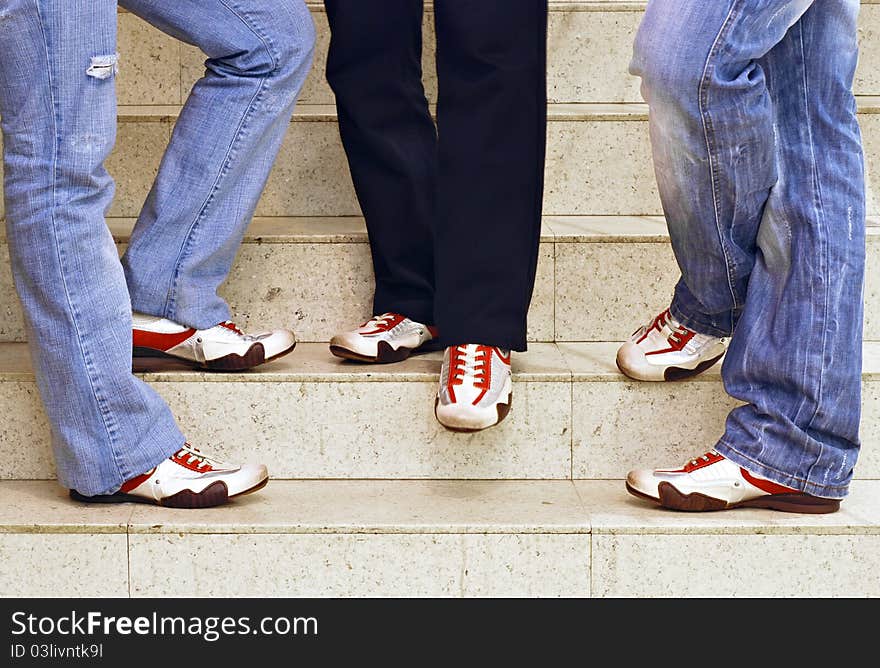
(103, 67)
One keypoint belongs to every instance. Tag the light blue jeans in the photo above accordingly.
(58, 109)
(759, 163)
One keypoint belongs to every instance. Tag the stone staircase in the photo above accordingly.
(370, 496)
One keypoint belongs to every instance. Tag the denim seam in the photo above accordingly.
(708, 132)
(107, 418)
(171, 300)
(805, 481)
(823, 255)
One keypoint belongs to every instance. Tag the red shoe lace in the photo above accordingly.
(679, 336)
(232, 327)
(191, 458)
(383, 323)
(458, 366)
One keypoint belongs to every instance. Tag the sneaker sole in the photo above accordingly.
(502, 409)
(215, 494)
(675, 373)
(254, 357)
(671, 498)
(386, 354)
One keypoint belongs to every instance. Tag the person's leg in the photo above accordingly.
(796, 356)
(492, 125)
(58, 109)
(221, 152)
(374, 67)
(769, 233)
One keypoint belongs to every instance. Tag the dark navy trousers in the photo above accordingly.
(453, 208)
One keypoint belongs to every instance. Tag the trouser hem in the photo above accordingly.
(754, 466)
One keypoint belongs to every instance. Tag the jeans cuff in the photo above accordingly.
(755, 467)
(699, 323)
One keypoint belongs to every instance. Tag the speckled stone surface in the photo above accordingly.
(69, 565)
(602, 292)
(311, 176)
(599, 168)
(356, 430)
(870, 125)
(735, 566)
(24, 430)
(640, 550)
(134, 163)
(149, 64)
(597, 164)
(310, 415)
(383, 506)
(615, 422)
(867, 80)
(27, 506)
(588, 54)
(364, 565)
(434, 538)
(321, 289)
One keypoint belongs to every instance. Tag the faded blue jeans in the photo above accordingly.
(58, 110)
(759, 163)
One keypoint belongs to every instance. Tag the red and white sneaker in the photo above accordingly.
(664, 349)
(713, 482)
(223, 347)
(187, 479)
(385, 338)
(475, 387)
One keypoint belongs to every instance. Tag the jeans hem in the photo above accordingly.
(156, 446)
(780, 477)
(696, 324)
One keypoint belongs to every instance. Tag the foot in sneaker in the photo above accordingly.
(713, 482)
(223, 347)
(385, 338)
(664, 349)
(187, 479)
(475, 387)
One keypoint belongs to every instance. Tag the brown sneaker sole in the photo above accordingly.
(671, 498)
(255, 356)
(385, 353)
(215, 494)
(675, 373)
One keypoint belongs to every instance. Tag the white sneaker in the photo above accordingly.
(713, 482)
(187, 479)
(389, 337)
(475, 387)
(664, 349)
(223, 347)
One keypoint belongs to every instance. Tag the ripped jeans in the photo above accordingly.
(58, 110)
(758, 159)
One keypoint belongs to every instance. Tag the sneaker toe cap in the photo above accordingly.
(278, 342)
(632, 362)
(644, 482)
(247, 478)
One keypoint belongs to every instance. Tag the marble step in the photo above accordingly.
(589, 49)
(598, 161)
(310, 416)
(433, 539)
(314, 275)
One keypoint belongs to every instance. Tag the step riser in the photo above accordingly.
(594, 167)
(583, 291)
(432, 538)
(588, 58)
(513, 565)
(351, 430)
